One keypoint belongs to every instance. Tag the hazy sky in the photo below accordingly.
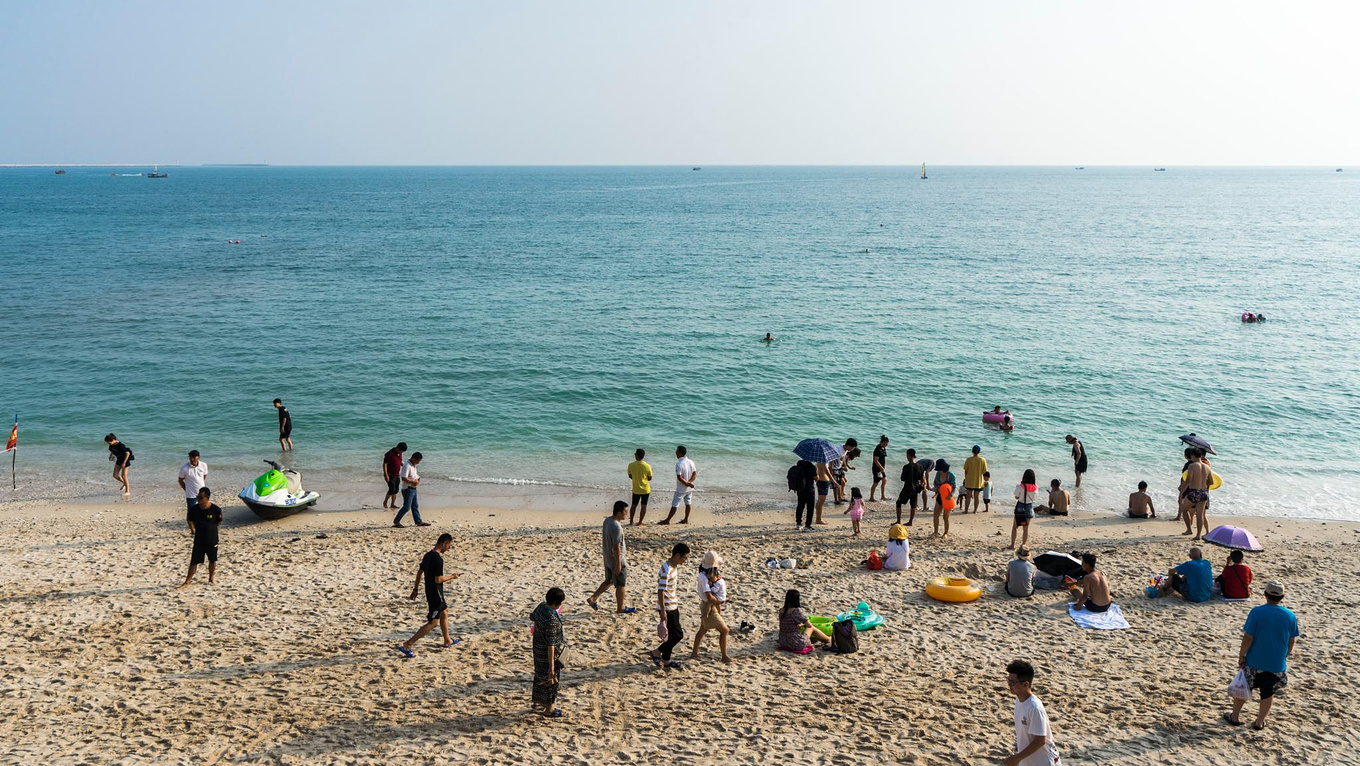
(680, 83)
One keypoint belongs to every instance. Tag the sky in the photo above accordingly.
(692, 82)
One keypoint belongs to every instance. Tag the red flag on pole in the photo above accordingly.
(13, 436)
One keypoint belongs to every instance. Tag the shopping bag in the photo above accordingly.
(1239, 689)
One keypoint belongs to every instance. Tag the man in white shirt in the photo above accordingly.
(193, 476)
(685, 475)
(410, 482)
(1033, 737)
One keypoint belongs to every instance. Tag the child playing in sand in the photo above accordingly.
(856, 509)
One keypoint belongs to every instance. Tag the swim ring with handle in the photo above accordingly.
(1214, 483)
(957, 590)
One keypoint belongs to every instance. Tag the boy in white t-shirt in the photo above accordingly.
(1033, 737)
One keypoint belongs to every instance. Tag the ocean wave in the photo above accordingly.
(523, 482)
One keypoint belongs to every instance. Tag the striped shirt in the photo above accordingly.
(665, 585)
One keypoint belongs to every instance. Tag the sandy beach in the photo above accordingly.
(288, 658)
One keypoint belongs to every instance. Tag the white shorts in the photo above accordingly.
(682, 493)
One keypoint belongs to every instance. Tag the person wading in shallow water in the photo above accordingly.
(1078, 457)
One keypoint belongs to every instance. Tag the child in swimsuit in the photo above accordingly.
(856, 509)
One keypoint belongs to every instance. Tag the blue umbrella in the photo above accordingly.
(817, 451)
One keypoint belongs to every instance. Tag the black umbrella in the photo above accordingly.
(1059, 565)
(1198, 442)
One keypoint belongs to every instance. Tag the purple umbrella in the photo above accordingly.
(1233, 537)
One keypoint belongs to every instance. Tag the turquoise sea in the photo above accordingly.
(538, 324)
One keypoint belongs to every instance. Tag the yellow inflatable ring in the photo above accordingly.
(956, 590)
(1214, 483)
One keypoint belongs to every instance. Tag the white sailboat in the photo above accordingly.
(923, 171)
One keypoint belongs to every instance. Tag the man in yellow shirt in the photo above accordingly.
(973, 469)
(641, 474)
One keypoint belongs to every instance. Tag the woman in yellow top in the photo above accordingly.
(641, 474)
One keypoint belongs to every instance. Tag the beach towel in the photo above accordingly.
(1111, 620)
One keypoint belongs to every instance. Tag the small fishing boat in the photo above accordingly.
(156, 172)
(61, 172)
(923, 172)
(1159, 170)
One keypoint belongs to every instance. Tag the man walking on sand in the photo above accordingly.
(1267, 641)
(913, 484)
(1195, 488)
(1033, 736)
(285, 426)
(880, 470)
(410, 485)
(391, 468)
(668, 603)
(1078, 457)
(615, 563)
(203, 517)
(193, 476)
(640, 471)
(432, 572)
(973, 469)
(685, 475)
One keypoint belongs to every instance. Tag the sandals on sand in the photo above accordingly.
(1228, 717)
(407, 653)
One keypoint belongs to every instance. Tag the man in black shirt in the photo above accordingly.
(880, 470)
(913, 480)
(285, 426)
(122, 457)
(203, 521)
(432, 572)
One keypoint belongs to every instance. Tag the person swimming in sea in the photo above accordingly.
(767, 339)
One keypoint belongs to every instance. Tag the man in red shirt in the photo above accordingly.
(1236, 578)
(392, 474)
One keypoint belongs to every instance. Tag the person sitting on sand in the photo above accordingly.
(1235, 582)
(897, 556)
(1140, 503)
(1020, 574)
(1193, 579)
(796, 634)
(1059, 500)
(1095, 590)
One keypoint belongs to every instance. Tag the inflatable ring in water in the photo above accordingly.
(956, 590)
(1214, 483)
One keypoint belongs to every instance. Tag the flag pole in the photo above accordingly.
(14, 455)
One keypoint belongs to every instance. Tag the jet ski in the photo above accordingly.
(277, 493)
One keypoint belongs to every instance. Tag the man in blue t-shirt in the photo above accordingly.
(1194, 579)
(1267, 641)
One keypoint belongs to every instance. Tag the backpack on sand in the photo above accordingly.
(843, 638)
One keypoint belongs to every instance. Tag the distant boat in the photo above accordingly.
(155, 173)
(1338, 170)
(1159, 170)
(923, 172)
(1081, 168)
(696, 168)
(61, 172)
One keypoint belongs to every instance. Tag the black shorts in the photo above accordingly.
(1097, 609)
(642, 499)
(393, 485)
(203, 550)
(284, 433)
(1268, 683)
(436, 608)
(1081, 465)
(879, 475)
(909, 496)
